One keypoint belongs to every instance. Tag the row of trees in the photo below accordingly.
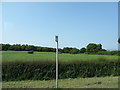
(19, 47)
(91, 48)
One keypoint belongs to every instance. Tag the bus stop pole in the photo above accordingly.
(56, 38)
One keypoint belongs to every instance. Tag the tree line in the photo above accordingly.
(25, 47)
(91, 48)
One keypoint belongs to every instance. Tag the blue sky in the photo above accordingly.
(76, 23)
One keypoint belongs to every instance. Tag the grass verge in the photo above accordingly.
(101, 82)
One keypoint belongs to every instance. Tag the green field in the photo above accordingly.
(24, 56)
(101, 82)
(43, 75)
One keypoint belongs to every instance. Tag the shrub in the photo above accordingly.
(30, 52)
(44, 70)
(82, 50)
(74, 51)
(108, 53)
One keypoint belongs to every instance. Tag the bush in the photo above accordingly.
(45, 70)
(74, 51)
(30, 52)
(108, 53)
(82, 50)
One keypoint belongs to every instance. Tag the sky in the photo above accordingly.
(76, 23)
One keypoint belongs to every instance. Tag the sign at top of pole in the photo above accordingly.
(56, 38)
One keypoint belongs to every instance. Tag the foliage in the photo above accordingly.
(67, 49)
(19, 47)
(45, 70)
(18, 65)
(99, 47)
(30, 52)
(109, 53)
(5, 46)
(82, 50)
(93, 48)
(74, 51)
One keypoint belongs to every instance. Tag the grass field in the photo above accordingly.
(24, 56)
(94, 82)
(101, 82)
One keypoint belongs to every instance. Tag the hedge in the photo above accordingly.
(39, 70)
(109, 53)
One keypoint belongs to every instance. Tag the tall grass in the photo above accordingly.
(41, 66)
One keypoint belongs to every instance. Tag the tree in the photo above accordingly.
(74, 51)
(39, 49)
(27, 48)
(5, 47)
(67, 49)
(82, 50)
(11, 47)
(99, 47)
(0, 47)
(16, 47)
(60, 50)
(23, 47)
(93, 48)
(103, 50)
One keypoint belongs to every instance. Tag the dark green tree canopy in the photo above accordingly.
(74, 51)
(93, 48)
(67, 49)
(82, 50)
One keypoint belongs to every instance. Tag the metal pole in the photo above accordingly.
(56, 61)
